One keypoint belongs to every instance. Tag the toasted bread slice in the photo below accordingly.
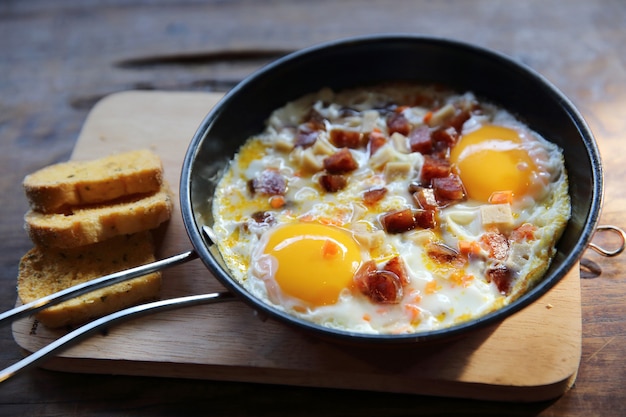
(75, 183)
(44, 271)
(91, 224)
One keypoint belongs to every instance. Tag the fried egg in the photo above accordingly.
(392, 209)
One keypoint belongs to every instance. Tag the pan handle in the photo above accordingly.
(88, 329)
(85, 287)
(608, 252)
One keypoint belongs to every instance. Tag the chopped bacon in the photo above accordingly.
(426, 219)
(448, 189)
(346, 138)
(340, 162)
(398, 221)
(502, 276)
(396, 122)
(374, 195)
(383, 287)
(333, 182)
(425, 198)
(396, 265)
(420, 140)
(269, 182)
(497, 244)
(376, 140)
(434, 168)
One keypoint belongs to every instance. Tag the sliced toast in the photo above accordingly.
(45, 270)
(76, 183)
(92, 224)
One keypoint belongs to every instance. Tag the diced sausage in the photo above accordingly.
(425, 198)
(382, 287)
(306, 138)
(426, 219)
(398, 221)
(459, 119)
(502, 276)
(376, 140)
(263, 217)
(497, 244)
(524, 232)
(333, 182)
(396, 122)
(346, 138)
(447, 136)
(269, 182)
(396, 265)
(340, 162)
(315, 120)
(420, 140)
(444, 254)
(434, 168)
(374, 195)
(448, 189)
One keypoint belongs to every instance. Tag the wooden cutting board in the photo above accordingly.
(531, 356)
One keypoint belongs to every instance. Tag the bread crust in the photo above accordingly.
(46, 270)
(92, 224)
(55, 188)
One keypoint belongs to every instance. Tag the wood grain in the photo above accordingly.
(523, 359)
(60, 58)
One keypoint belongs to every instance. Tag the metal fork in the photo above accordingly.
(88, 329)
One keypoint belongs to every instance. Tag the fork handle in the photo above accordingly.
(92, 285)
(86, 330)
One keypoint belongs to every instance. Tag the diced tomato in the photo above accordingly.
(469, 247)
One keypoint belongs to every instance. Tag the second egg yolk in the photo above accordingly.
(492, 159)
(315, 261)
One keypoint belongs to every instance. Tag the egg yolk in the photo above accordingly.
(315, 262)
(492, 159)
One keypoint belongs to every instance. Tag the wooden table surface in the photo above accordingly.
(59, 58)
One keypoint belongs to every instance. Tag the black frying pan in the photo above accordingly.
(360, 61)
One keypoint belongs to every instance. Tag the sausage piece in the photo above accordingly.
(502, 276)
(396, 265)
(373, 196)
(449, 188)
(425, 198)
(346, 138)
(420, 140)
(269, 182)
(380, 286)
(396, 122)
(333, 183)
(434, 168)
(398, 221)
(341, 162)
(376, 140)
(497, 244)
